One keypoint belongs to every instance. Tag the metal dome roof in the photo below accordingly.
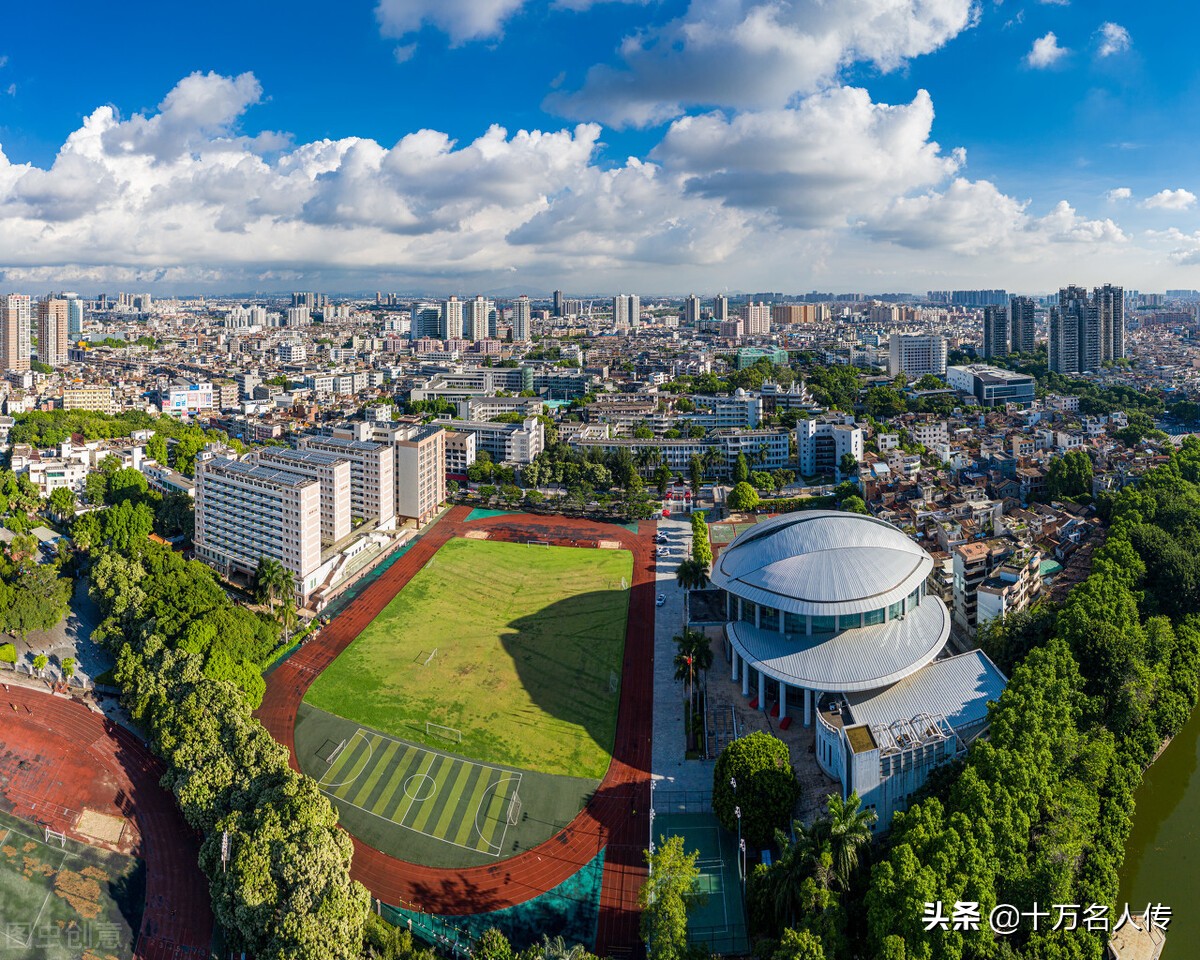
(822, 562)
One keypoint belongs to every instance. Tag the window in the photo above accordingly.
(795, 623)
(914, 599)
(849, 621)
(872, 618)
(823, 624)
(748, 611)
(769, 618)
(895, 609)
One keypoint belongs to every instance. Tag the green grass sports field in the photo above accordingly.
(63, 902)
(515, 648)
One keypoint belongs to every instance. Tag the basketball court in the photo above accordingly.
(460, 802)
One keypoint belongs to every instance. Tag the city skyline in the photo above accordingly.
(835, 148)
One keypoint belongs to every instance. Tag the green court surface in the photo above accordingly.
(727, 532)
(718, 919)
(503, 653)
(63, 901)
(469, 805)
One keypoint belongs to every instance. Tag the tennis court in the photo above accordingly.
(460, 802)
(726, 532)
(718, 919)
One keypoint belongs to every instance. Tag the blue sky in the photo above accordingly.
(684, 144)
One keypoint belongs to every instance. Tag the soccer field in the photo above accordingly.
(514, 651)
(64, 900)
(470, 805)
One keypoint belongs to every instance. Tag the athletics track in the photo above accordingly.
(616, 817)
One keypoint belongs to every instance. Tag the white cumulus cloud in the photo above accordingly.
(1114, 39)
(1170, 200)
(757, 55)
(1045, 52)
(1119, 193)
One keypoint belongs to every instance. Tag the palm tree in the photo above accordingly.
(287, 615)
(692, 574)
(40, 662)
(693, 656)
(800, 859)
(271, 581)
(845, 831)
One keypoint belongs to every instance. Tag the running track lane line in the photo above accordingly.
(616, 818)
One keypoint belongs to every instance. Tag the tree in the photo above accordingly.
(271, 581)
(287, 615)
(40, 662)
(8, 653)
(39, 601)
(493, 945)
(848, 464)
(662, 477)
(1069, 475)
(451, 488)
(766, 787)
(855, 504)
(742, 497)
(95, 487)
(741, 469)
(62, 502)
(24, 548)
(666, 897)
(692, 574)
(156, 448)
(68, 667)
(845, 831)
(696, 474)
(799, 945)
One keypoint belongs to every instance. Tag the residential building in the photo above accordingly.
(627, 310)
(756, 319)
(476, 315)
(522, 320)
(97, 398)
(1022, 322)
(790, 314)
(691, 310)
(996, 337)
(74, 316)
(452, 323)
(15, 334)
(418, 463)
(1075, 342)
(246, 511)
(821, 444)
(53, 321)
(1014, 585)
(915, 355)
(184, 399)
(720, 308)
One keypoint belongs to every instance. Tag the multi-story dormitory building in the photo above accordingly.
(289, 504)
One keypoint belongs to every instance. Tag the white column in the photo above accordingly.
(782, 700)
(745, 679)
(762, 690)
(808, 707)
(735, 665)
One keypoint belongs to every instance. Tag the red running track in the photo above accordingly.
(616, 817)
(65, 758)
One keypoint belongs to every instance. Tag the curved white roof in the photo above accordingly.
(865, 658)
(822, 562)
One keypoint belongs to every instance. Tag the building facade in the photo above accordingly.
(915, 355)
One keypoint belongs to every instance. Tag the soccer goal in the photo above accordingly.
(537, 543)
(332, 750)
(514, 809)
(446, 733)
(426, 661)
(58, 835)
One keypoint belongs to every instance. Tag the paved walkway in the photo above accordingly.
(670, 770)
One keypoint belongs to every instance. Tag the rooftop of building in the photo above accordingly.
(822, 562)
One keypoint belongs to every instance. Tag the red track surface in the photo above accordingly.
(74, 758)
(616, 817)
